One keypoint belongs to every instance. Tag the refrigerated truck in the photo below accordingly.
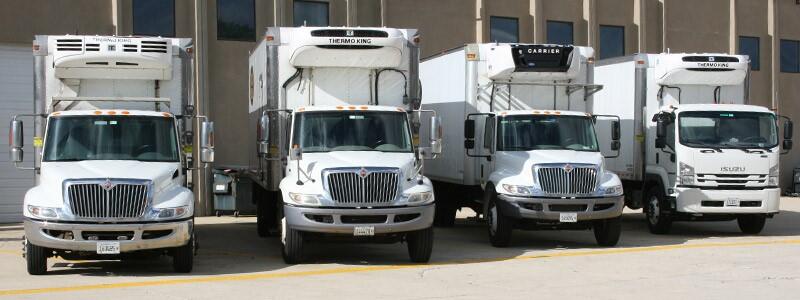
(111, 115)
(333, 137)
(692, 147)
(521, 147)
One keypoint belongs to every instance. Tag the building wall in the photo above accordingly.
(566, 11)
(20, 20)
(442, 24)
(691, 29)
(789, 85)
(752, 20)
(619, 13)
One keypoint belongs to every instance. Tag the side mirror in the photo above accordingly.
(787, 144)
(263, 134)
(661, 129)
(469, 134)
(787, 130)
(15, 141)
(615, 133)
(436, 135)
(207, 142)
(296, 153)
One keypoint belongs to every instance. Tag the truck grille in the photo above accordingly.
(362, 186)
(108, 199)
(568, 180)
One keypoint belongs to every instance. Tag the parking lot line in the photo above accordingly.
(345, 270)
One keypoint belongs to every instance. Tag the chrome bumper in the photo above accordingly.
(35, 233)
(302, 218)
(546, 209)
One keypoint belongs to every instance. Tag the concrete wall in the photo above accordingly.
(752, 20)
(443, 24)
(619, 13)
(690, 27)
(566, 11)
(20, 20)
(789, 85)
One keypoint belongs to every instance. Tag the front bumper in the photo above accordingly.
(695, 200)
(550, 209)
(344, 220)
(36, 233)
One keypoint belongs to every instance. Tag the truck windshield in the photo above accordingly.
(728, 129)
(352, 131)
(142, 138)
(545, 132)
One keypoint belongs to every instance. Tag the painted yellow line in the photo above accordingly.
(357, 269)
(12, 252)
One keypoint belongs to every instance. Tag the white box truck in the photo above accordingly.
(692, 149)
(111, 117)
(333, 149)
(521, 147)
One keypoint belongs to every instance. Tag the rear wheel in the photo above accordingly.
(420, 245)
(292, 243)
(183, 259)
(657, 221)
(262, 217)
(607, 231)
(36, 258)
(751, 224)
(500, 226)
(445, 215)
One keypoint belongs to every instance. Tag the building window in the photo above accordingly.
(612, 41)
(504, 29)
(559, 32)
(154, 17)
(748, 45)
(790, 56)
(310, 13)
(236, 20)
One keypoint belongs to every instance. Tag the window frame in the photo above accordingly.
(328, 11)
(572, 31)
(516, 20)
(252, 39)
(600, 40)
(133, 21)
(797, 56)
(757, 66)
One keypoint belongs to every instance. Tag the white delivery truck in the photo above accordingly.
(531, 159)
(111, 115)
(692, 149)
(333, 148)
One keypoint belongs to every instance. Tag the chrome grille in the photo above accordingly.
(557, 180)
(348, 186)
(118, 200)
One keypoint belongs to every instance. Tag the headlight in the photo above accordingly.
(773, 176)
(518, 189)
(43, 212)
(304, 199)
(686, 174)
(419, 198)
(613, 191)
(171, 212)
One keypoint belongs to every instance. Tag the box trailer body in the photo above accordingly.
(717, 156)
(332, 137)
(110, 172)
(529, 96)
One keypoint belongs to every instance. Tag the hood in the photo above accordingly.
(517, 166)
(314, 163)
(730, 161)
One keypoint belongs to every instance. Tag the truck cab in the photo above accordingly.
(110, 168)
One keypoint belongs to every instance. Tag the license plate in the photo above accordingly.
(364, 231)
(568, 217)
(732, 202)
(107, 247)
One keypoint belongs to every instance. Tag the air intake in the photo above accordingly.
(69, 45)
(349, 33)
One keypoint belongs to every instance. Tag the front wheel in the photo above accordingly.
(36, 258)
(751, 224)
(292, 243)
(500, 226)
(607, 232)
(183, 259)
(420, 245)
(657, 221)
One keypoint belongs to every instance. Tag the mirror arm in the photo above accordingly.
(16, 165)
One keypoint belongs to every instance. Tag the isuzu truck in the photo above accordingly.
(521, 148)
(111, 117)
(334, 138)
(692, 148)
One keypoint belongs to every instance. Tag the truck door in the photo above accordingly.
(479, 131)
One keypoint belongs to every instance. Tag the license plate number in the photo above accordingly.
(732, 202)
(108, 248)
(568, 217)
(364, 231)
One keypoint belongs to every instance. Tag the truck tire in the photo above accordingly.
(500, 226)
(420, 245)
(262, 219)
(183, 258)
(607, 232)
(751, 224)
(36, 258)
(657, 221)
(292, 243)
(445, 212)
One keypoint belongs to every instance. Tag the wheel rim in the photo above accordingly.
(655, 211)
(493, 219)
